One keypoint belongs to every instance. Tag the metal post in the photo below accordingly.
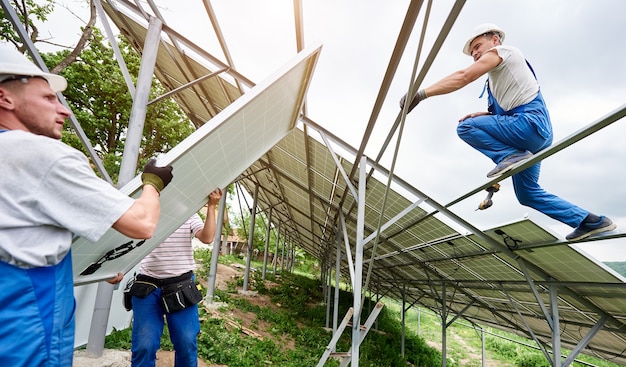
(267, 241)
(104, 296)
(444, 324)
(358, 264)
(250, 238)
(337, 273)
(293, 257)
(403, 319)
(482, 346)
(419, 321)
(327, 295)
(216, 250)
(556, 332)
(275, 259)
(282, 254)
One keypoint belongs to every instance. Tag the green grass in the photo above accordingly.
(300, 317)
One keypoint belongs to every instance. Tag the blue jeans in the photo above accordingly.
(498, 136)
(148, 321)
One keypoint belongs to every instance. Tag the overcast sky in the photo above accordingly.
(576, 47)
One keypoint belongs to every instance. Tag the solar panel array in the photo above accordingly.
(210, 158)
(488, 276)
(507, 277)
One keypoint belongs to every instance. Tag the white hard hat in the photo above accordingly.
(13, 63)
(479, 31)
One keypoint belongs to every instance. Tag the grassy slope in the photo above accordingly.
(281, 326)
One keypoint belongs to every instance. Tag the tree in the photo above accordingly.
(242, 224)
(28, 11)
(102, 105)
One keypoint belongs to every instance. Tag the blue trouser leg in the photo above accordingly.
(37, 315)
(498, 136)
(148, 324)
(529, 193)
(184, 327)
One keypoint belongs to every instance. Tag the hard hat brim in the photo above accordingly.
(479, 31)
(14, 63)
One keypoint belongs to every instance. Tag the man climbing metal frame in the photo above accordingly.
(516, 125)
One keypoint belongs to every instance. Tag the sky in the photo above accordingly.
(576, 48)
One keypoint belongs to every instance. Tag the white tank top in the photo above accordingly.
(512, 83)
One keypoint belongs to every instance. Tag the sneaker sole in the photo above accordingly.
(503, 171)
(608, 228)
(510, 167)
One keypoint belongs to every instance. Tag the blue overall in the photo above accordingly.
(42, 299)
(526, 127)
(183, 325)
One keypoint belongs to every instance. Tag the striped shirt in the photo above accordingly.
(174, 256)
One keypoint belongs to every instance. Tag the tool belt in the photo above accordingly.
(177, 293)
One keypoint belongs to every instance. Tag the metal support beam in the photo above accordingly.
(444, 324)
(328, 294)
(104, 296)
(255, 200)
(275, 259)
(346, 241)
(215, 254)
(267, 241)
(556, 329)
(358, 263)
(403, 320)
(583, 343)
(333, 341)
(337, 277)
(116, 48)
(282, 254)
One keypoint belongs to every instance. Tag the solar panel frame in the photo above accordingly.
(212, 157)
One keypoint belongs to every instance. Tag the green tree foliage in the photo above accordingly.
(241, 223)
(97, 92)
(100, 100)
(27, 11)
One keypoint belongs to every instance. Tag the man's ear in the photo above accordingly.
(496, 39)
(6, 99)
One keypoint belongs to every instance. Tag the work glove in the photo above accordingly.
(419, 96)
(158, 177)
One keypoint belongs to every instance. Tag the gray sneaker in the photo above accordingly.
(585, 230)
(508, 163)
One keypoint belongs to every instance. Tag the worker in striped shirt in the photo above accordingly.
(165, 289)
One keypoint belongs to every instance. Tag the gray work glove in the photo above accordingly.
(419, 96)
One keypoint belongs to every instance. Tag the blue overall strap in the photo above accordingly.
(531, 69)
(37, 318)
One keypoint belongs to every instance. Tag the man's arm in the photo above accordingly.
(461, 78)
(207, 234)
(456, 80)
(141, 219)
